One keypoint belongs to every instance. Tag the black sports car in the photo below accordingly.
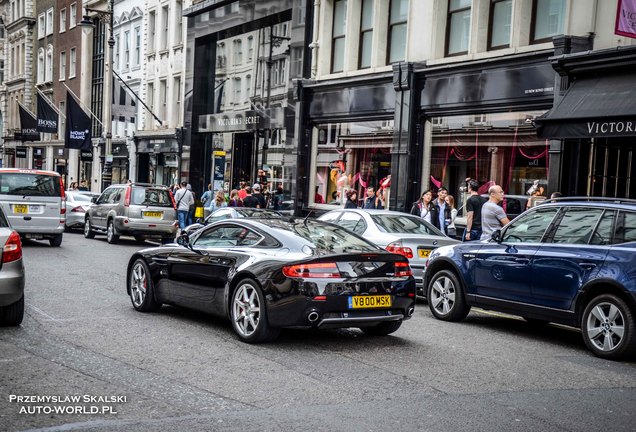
(266, 274)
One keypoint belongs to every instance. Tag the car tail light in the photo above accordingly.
(397, 248)
(127, 197)
(63, 209)
(315, 270)
(174, 204)
(403, 269)
(12, 249)
(62, 193)
(78, 209)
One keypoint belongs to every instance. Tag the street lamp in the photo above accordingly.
(107, 124)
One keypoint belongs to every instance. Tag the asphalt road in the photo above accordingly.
(178, 370)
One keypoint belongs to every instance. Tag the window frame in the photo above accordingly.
(62, 20)
(41, 25)
(449, 16)
(50, 21)
(72, 19)
(72, 62)
(533, 24)
(62, 71)
(491, 16)
(336, 38)
(390, 34)
(363, 32)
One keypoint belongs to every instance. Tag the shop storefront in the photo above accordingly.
(120, 163)
(157, 158)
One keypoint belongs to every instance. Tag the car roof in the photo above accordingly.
(587, 202)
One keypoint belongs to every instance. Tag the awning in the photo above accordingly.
(595, 107)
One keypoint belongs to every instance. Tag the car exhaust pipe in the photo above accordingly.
(313, 316)
(410, 311)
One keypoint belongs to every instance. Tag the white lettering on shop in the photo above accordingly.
(610, 127)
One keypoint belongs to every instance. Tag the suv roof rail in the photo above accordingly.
(591, 199)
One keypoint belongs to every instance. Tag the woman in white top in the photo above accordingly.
(450, 202)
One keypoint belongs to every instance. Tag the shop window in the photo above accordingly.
(351, 156)
(338, 36)
(497, 148)
(458, 27)
(548, 18)
(397, 30)
(366, 34)
(500, 23)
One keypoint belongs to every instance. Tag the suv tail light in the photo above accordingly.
(397, 248)
(402, 269)
(12, 249)
(315, 270)
(127, 197)
(174, 204)
(62, 193)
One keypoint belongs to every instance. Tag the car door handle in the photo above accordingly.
(587, 265)
(522, 260)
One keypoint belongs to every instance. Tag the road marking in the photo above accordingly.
(40, 311)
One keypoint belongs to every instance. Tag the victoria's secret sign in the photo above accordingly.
(611, 128)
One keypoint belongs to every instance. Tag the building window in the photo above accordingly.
(366, 34)
(72, 17)
(178, 37)
(137, 46)
(238, 51)
(250, 48)
(152, 23)
(164, 27)
(62, 123)
(63, 20)
(71, 64)
(1, 72)
(116, 49)
(49, 22)
(126, 50)
(500, 23)
(163, 98)
(238, 93)
(177, 99)
(41, 25)
(458, 27)
(49, 63)
(248, 86)
(397, 30)
(220, 55)
(151, 100)
(338, 35)
(62, 65)
(549, 19)
(41, 65)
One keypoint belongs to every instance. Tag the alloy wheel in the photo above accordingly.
(138, 284)
(443, 295)
(246, 309)
(605, 326)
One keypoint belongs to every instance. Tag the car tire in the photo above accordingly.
(111, 233)
(88, 230)
(382, 329)
(608, 327)
(12, 315)
(445, 296)
(141, 287)
(56, 241)
(249, 314)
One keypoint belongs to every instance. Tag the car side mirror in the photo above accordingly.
(184, 239)
(94, 200)
(496, 236)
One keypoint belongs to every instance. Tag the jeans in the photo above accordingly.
(475, 234)
(182, 215)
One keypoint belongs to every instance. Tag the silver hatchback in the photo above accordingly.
(139, 210)
(11, 275)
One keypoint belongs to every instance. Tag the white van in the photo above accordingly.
(33, 201)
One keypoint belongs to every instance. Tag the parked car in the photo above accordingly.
(139, 210)
(233, 213)
(513, 205)
(397, 232)
(568, 261)
(33, 202)
(11, 275)
(267, 274)
(77, 202)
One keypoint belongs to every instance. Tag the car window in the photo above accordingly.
(603, 233)
(328, 239)
(150, 196)
(529, 227)
(219, 215)
(29, 184)
(513, 206)
(227, 236)
(404, 224)
(625, 227)
(115, 196)
(330, 217)
(353, 222)
(105, 196)
(576, 225)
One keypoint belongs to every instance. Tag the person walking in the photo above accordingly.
(278, 198)
(352, 199)
(235, 201)
(451, 230)
(422, 207)
(218, 202)
(184, 199)
(206, 200)
(371, 201)
(473, 212)
(242, 192)
(440, 211)
(256, 193)
(493, 216)
(249, 200)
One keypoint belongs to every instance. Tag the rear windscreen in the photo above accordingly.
(29, 184)
(150, 196)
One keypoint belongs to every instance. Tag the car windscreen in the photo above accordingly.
(29, 184)
(144, 195)
(404, 224)
(256, 213)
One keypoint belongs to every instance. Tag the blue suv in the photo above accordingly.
(570, 261)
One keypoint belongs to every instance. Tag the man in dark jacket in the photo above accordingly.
(440, 211)
(371, 201)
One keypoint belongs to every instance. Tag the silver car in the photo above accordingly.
(77, 202)
(140, 210)
(11, 275)
(396, 232)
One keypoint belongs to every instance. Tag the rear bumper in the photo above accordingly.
(11, 282)
(39, 232)
(75, 219)
(135, 227)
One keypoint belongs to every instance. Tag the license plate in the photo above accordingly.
(367, 302)
(20, 208)
(423, 253)
(152, 214)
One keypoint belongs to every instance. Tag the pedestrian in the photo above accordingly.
(235, 201)
(318, 199)
(422, 207)
(218, 202)
(556, 194)
(249, 200)
(184, 199)
(493, 216)
(278, 198)
(242, 192)
(371, 201)
(473, 212)
(451, 229)
(352, 199)
(207, 195)
(83, 186)
(256, 193)
(379, 199)
(440, 211)
(193, 206)
(335, 198)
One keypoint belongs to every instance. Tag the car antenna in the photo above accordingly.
(311, 210)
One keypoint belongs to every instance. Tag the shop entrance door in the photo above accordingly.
(612, 169)
(242, 158)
